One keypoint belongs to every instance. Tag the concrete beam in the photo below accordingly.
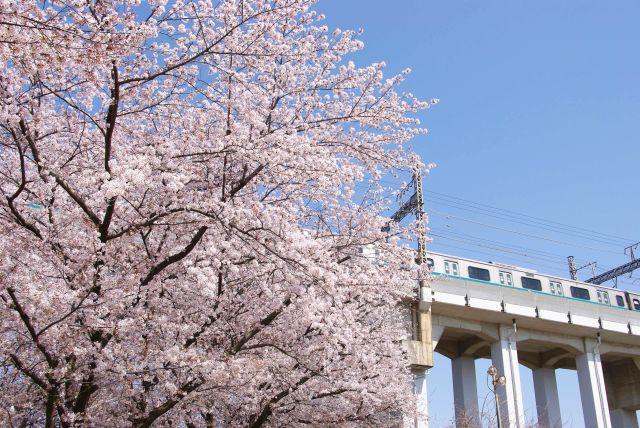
(487, 331)
(619, 349)
(469, 347)
(465, 392)
(547, 402)
(570, 344)
(551, 358)
(593, 393)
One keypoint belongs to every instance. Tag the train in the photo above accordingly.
(504, 275)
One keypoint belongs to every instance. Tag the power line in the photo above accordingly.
(523, 222)
(503, 250)
(520, 218)
(529, 221)
(534, 218)
(449, 215)
(555, 258)
(493, 254)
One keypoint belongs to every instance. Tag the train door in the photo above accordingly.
(603, 297)
(556, 288)
(451, 268)
(634, 302)
(506, 278)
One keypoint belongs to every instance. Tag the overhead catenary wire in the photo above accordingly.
(496, 248)
(556, 258)
(519, 218)
(529, 235)
(506, 212)
(525, 223)
(533, 228)
(516, 260)
(533, 220)
(581, 231)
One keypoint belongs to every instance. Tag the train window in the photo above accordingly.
(620, 301)
(479, 273)
(556, 288)
(506, 278)
(580, 293)
(451, 268)
(636, 304)
(430, 263)
(531, 283)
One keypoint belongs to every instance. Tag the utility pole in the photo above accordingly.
(419, 212)
(572, 267)
(415, 206)
(419, 347)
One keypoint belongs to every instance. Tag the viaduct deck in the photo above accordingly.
(466, 319)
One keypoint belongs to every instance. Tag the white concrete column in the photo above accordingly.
(420, 391)
(547, 403)
(504, 356)
(595, 407)
(621, 418)
(465, 391)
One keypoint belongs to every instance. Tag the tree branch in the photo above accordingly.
(23, 182)
(267, 410)
(32, 375)
(264, 322)
(112, 114)
(36, 157)
(167, 405)
(30, 328)
(172, 259)
(245, 180)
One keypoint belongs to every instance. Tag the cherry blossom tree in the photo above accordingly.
(190, 197)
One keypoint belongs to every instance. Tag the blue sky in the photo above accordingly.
(539, 113)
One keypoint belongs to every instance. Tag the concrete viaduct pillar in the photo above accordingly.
(621, 418)
(420, 386)
(546, 392)
(593, 393)
(504, 356)
(465, 391)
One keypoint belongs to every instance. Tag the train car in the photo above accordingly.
(633, 301)
(513, 276)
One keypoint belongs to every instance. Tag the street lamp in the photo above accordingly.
(496, 380)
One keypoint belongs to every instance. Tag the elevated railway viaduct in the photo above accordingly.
(466, 319)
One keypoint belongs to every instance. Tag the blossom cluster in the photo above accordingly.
(186, 189)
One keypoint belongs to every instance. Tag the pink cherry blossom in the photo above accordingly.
(187, 189)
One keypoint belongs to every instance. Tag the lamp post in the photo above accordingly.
(496, 379)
